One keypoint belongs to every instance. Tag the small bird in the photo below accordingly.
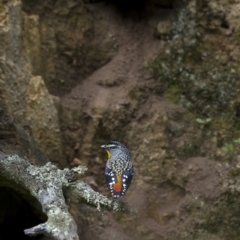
(119, 168)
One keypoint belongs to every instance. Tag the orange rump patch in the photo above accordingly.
(117, 187)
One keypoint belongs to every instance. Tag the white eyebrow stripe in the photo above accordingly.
(111, 145)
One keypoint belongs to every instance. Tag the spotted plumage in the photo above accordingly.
(119, 168)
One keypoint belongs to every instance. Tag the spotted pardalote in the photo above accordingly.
(119, 168)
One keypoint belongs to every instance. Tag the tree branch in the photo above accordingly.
(48, 185)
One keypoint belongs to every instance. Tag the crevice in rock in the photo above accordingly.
(16, 214)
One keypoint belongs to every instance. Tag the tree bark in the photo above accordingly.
(48, 185)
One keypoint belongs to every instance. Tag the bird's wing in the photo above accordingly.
(118, 183)
(127, 179)
(110, 178)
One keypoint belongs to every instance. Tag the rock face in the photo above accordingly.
(39, 100)
(161, 77)
(62, 43)
(24, 96)
(206, 71)
(175, 181)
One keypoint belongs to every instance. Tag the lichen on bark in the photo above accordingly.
(49, 186)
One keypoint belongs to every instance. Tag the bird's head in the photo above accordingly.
(114, 147)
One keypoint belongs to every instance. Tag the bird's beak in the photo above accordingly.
(103, 146)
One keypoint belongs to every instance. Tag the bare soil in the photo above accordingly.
(108, 88)
(134, 36)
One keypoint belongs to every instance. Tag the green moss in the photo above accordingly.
(193, 54)
(156, 66)
(234, 172)
(173, 94)
(219, 220)
(224, 218)
(187, 75)
(133, 95)
(237, 36)
(180, 67)
(221, 123)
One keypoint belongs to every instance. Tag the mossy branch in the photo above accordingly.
(48, 185)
